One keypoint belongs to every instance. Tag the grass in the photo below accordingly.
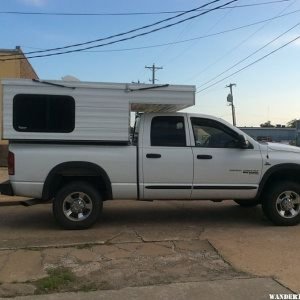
(56, 280)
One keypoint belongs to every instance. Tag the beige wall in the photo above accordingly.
(26, 70)
(9, 69)
(1, 104)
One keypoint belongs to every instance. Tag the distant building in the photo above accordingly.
(19, 68)
(272, 134)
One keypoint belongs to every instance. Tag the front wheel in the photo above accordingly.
(281, 203)
(77, 205)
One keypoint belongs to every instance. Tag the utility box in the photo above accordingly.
(83, 111)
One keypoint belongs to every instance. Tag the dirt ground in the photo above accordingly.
(146, 243)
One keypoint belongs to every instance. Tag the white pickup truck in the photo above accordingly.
(171, 156)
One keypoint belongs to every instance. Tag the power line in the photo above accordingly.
(192, 45)
(239, 44)
(195, 38)
(177, 42)
(183, 41)
(250, 55)
(251, 64)
(123, 33)
(128, 13)
(124, 39)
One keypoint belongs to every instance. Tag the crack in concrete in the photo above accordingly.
(108, 241)
(120, 248)
(174, 247)
(201, 233)
(279, 282)
(90, 244)
(223, 259)
(138, 236)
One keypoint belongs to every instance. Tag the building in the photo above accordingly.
(19, 68)
(272, 134)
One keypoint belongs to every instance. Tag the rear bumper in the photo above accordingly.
(6, 188)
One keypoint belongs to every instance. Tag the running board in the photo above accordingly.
(29, 202)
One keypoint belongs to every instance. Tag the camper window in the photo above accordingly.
(43, 113)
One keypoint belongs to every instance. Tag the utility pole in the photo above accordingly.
(153, 68)
(230, 100)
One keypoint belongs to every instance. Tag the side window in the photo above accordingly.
(211, 134)
(168, 131)
(43, 113)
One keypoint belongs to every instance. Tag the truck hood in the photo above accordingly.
(283, 147)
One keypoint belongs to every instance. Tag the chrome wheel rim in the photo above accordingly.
(288, 204)
(77, 206)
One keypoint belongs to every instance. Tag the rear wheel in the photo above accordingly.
(281, 204)
(77, 205)
(247, 203)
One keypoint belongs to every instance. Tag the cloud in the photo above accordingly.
(37, 3)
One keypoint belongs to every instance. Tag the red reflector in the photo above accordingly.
(11, 163)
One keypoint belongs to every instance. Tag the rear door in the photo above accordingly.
(166, 157)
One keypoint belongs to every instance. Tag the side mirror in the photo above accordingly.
(243, 142)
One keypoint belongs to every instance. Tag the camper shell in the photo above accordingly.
(83, 111)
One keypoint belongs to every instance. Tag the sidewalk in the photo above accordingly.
(255, 288)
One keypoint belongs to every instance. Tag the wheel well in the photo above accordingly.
(288, 173)
(65, 173)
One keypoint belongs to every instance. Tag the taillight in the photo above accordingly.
(11, 163)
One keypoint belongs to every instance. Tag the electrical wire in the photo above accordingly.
(128, 13)
(197, 41)
(121, 40)
(250, 55)
(239, 44)
(249, 65)
(194, 38)
(122, 33)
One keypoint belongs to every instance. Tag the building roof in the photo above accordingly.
(18, 51)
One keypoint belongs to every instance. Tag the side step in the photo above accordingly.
(26, 203)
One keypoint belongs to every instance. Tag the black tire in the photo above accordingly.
(247, 202)
(273, 203)
(82, 197)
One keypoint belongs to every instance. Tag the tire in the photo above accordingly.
(77, 205)
(281, 203)
(247, 203)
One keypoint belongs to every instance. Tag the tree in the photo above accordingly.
(267, 124)
(292, 123)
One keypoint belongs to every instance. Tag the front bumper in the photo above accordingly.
(6, 188)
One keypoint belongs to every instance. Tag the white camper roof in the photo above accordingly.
(142, 97)
(102, 110)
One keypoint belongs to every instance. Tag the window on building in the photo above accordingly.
(43, 113)
(168, 131)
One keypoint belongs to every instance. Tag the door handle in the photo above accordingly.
(153, 155)
(201, 156)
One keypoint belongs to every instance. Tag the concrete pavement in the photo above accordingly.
(256, 288)
(149, 244)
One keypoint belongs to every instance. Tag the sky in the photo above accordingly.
(268, 90)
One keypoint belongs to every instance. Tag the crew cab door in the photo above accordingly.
(166, 157)
(222, 169)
